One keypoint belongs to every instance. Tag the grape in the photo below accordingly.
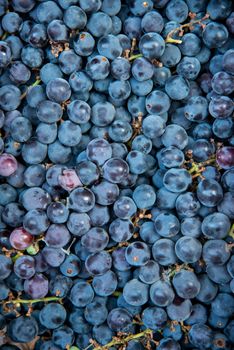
(152, 45)
(201, 336)
(35, 198)
(218, 274)
(142, 69)
(109, 46)
(37, 286)
(81, 200)
(8, 164)
(98, 151)
(223, 305)
(186, 284)
(23, 329)
(209, 192)
(121, 230)
(57, 236)
(69, 180)
(102, 334)
(24, 267)
(98, 263)
(115, 170)
(198, 315)
(222, 83)
(227, 60)
(105, 284)
(137, 254)
(154, 318)
(52, 315)
(35, 221)
(163, 252)
(105, 192)
(177, 87)
(216, 226)
(81, 294)
(135, 293)
(217, 321)
(95, 313)
(225, 157)
(177, 180)
(20, 239)
(215, 35)
(180, 309)
(144, 196)
(98, 67)
(167, 225)
(53, 256)
(188, 249)
(95, 240)
(153, 125)
(118, 319)
(63, 336)
(215, 252)
(149, 273)
(124, 207)
(5, 264)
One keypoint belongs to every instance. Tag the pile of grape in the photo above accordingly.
(116, 174)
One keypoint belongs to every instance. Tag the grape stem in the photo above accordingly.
(4, 36)
(133, 57)
(231, 232)
(31, 301)
(169, 38)
(200, 167)
(37, 82)
(123, 341)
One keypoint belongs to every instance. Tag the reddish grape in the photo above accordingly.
(225, 157)
(20, 238)
(69, 180)
(8, 164)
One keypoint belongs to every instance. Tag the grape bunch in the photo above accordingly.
(116, 174)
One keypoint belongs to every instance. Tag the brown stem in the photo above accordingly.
(123, 341)
(169, 38)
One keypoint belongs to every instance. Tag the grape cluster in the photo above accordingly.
(116, 174)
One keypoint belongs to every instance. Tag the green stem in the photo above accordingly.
(133, 57)
(116, 294)
(5, 35)
(123, 341)
(32, 301)
(37, 82)
(231, 232)
(173, 41)
(14, 258)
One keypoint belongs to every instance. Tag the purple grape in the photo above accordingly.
(225, 157)
(8, 164)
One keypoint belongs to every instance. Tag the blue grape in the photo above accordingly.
(135, 292)
(201, 336)
(163, 252)
(137, 254)
(152, 45)
(215, 35)
(154, 318)
(177, 87)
